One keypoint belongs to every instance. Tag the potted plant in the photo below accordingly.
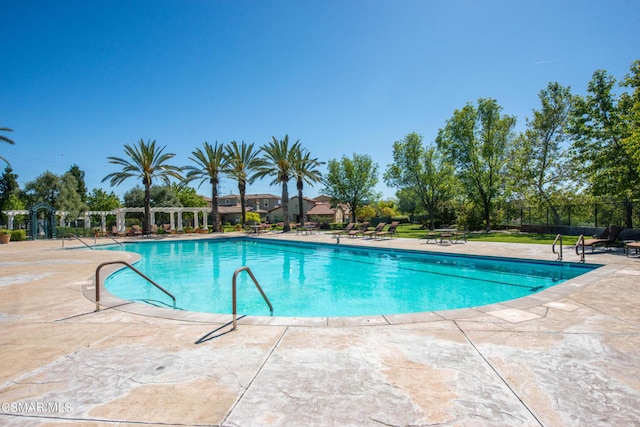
(5, 236)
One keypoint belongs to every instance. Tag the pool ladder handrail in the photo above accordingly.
(141, 274)
(580, 244)
(88, 245)
(233, 292)
(553, 246)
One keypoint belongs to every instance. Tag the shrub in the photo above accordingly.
(18, 235)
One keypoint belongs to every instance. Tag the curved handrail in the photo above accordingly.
(580, 243)
(135, 270)
(233, 292)
(553, 246)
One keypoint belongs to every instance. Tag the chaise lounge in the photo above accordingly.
(606, 238)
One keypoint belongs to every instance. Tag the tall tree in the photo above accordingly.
(8, 186)
(539, 169)
(100, 200)
(45, 188)
(278, 161)
(242, 161)
(351, 181)
(68, 198)
(422, 171)
(305, 169)
(82, 186)
(477, 141)
(601, 130)
(210, 162)
(5, 139)
(147, 162)
(632, 111)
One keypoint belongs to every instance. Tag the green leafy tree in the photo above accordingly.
(278, 161)
(305, 170)
(631, 104)
(477, 141)
(159, 196)
(423, 172)
(210, 162)
(351, 181)
(8, 187)
(45, 188)
(242, 160)
(100, 200)
(188, 196)
(5, 139)
(407, 201)
(539, 170)
(365, 212)
(82, 186)
(601, 151)
(146, 162)
(68, 198)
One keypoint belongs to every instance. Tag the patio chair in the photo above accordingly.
(116, 233)
(378, 229)
(136, 230)
(606, 238)
(389, 231)
(346, 230)
(363, 227)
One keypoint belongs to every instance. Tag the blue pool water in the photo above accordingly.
(314, 280)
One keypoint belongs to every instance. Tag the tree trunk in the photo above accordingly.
(628, 212)
(147, 209)
(487, 216)
(242, 188)
(214, 207)
(285, 207)
(300, 185)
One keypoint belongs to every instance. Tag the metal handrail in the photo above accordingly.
(255, 281)
(135, 270)
(553, 246)
(77, 238)
(580, 243)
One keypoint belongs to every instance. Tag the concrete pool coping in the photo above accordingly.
(108, 300)
(553, 359)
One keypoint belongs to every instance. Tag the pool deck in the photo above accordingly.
(568, 356)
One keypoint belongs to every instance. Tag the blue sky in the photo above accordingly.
(79, 79)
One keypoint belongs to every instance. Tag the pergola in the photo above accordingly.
(121, 213)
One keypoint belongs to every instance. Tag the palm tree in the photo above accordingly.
(278, 162)
(145, 161)
(209, 165)
(7, 140)
(241, 163)
(304, 170)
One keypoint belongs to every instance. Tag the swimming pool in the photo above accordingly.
(318, 280)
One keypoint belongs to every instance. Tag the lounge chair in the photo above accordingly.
(363, 227)
(135, 230)
(389, 231)
(378, 229)
(346, 230)
(167, 229)
(606, 238)
(116, 233)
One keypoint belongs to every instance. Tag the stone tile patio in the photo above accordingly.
(568, 356)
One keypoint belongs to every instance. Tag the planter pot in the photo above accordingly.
(4, 238)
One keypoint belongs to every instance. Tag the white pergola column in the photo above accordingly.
(103, 222)
(180, 220)
(172, 220)
(87, 221)
(120, 220)
(153, 217)
(195, 219)
(205, 215)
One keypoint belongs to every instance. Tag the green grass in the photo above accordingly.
(413, 231)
